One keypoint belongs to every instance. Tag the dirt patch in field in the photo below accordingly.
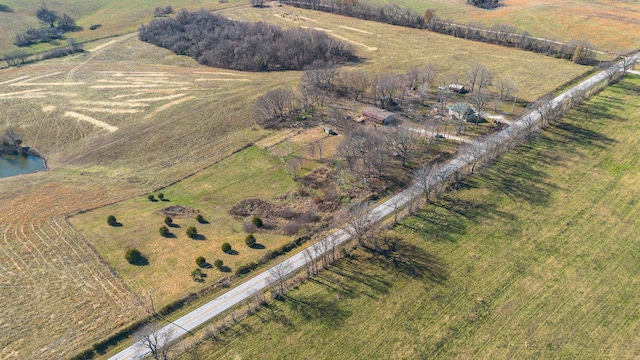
(168, 105)
(178, 211)
(253, 207)
(356, 30)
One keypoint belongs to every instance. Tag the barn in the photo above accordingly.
(379, 116)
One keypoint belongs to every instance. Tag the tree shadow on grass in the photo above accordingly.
(258, 246)
(582, 136)
(370, 285)
(169, 236)
(140, 261)
(317, 307)
(173, 225)
(224, 269)
(232, 252)
(395, 253)
(198, 237)
(449, 216)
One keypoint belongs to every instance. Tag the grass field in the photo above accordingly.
(535, 257)
(385, 48)
(117, 17)
(610, 25)
(127, 118)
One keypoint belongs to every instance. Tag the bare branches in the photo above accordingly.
(360, 222)
(278, 275)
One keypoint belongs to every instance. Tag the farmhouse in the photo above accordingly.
(461, 111)
(379, 116)
(457, 88)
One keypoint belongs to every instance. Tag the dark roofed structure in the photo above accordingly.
(380, 116)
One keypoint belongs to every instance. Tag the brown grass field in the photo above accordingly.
(173, 119)
(610, 25)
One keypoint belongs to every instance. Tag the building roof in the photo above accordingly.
(460, 108)
(376, 113)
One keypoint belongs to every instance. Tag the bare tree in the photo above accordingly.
(157, 340)
(293, 165)
(479, 101)
(356, 83)
(360, 222)
(278, 276)
(544, 108)
(506, 88)
(403, 142)
(276, 103)
(385, 88)
(424, 176)
(480, 76)
(502, 32)
(310, 262)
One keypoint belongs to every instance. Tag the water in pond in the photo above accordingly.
(11, 165)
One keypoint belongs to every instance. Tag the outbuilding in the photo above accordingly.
(379, 116)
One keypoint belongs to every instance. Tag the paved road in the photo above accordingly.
(260, 282)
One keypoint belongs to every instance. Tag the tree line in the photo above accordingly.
(214, 40)
(581, 52)
(54, 28)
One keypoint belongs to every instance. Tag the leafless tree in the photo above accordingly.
(403, 142)
(360, 222)
(310, 262)
(293, 164)
(502, 32)
(479, 101)
(506, 88)
(356, 82)
(276, 103)
(480, 76)
(156, 340)
(424, 176)
(544, 108)
(420, 75)
(385, 88)
(610, 71)
(278, 276)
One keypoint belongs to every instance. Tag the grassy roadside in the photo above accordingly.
(535, 257)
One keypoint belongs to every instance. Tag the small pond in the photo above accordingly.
(11, 165)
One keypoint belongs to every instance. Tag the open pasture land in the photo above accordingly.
(394, 49)
(117, 17)
(126, 118)
(535, 257)
(251, 173)
(113, 124)
(610, 25)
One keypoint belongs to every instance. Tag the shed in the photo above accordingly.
(380, 116)
(461, 111)
(457, 88)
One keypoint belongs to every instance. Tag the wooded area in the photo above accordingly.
(214, 40)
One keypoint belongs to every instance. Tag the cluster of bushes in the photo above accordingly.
(501, 34)
(5, 8)
(217, 41)
(55, 27)
(484, 4)
(162, 11)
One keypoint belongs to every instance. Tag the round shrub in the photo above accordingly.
(133, 256)
(161, 196)
(111, 220)
(164, 231)
(218, 263)
(250, 240)
(151, 197)
(257, 222)
(200, 261)
(168, 220)
(199, 218)
(226, 247)
(192, 232)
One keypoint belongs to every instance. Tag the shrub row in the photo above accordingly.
(271, 254)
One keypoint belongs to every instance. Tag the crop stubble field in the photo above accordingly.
(127, 118)
(535, 257)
